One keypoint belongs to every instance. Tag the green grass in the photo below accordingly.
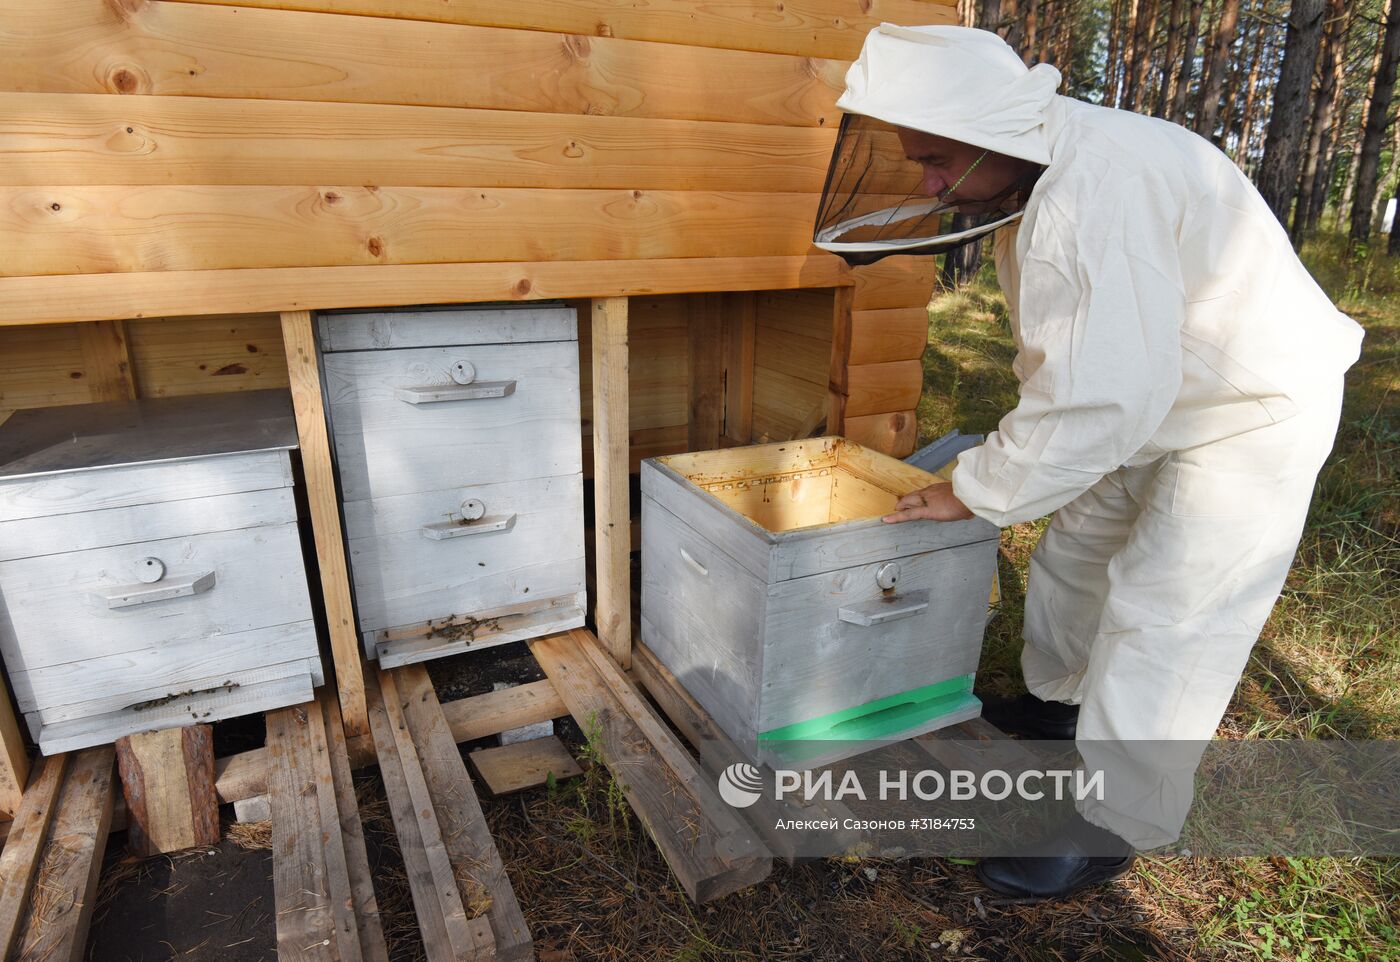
(1328, 660)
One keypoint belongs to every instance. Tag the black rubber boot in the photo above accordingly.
(1030, 717)
(1077, 856)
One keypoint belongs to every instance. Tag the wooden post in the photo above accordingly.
(168, 782)
(839, 381)
(14, 758)
(611, 504)
(106, 360)
(304, 379)
(705, 359)
(740, 335)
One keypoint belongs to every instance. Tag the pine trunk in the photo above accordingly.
(1214, 81)
(1324, 102)
(1171, 60)
(1376, 123)
(1176, 112)
(1354, 161)
(1278, 172)
(1247, 126)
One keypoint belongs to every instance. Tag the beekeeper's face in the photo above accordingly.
(960, 173)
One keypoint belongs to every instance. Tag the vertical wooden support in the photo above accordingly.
(705, 333)
(839, 385)
(106, 360)
(304, 379)
(14, 758)
(740, 336)
(168, 781)
(611, 504)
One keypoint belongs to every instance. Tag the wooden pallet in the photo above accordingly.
(464, 901)
(711, 850)
(326, 907)
(52, 859)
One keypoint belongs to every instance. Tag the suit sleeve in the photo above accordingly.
(1099, 351)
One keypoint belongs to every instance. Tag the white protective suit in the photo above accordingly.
(1181, 383)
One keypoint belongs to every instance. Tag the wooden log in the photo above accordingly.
(521, 765)
(72, 230)
(611, 505)
(705, 358)
(24, 846)
(894, 282)
(880, 388)
(808, 28)
(92, 47)
(60, 299)
(484, 886)
(168, 782)
(895, 434)
(56, 924)
(304, 373)
(710, 851)
(893, 334)
(84, 139)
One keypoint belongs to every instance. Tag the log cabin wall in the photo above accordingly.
(160, 158)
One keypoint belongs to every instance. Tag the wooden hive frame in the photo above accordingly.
(137, 136)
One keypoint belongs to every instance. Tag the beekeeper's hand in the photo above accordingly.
(936, 503)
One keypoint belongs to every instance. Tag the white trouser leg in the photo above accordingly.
(1187, 597)
(1068, 583)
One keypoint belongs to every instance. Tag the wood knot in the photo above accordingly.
(376, 246)
(522, 287)
(604, 30)
(636, 195)
(577, 47)
(231, 369)
(125, 80)
(55, 206)
(573, 150)
(252, 348)
(331, 197)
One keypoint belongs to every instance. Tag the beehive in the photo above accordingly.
(806, 626)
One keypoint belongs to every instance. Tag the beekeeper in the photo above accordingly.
(1180, 386)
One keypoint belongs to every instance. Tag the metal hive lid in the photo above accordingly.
(79, 437)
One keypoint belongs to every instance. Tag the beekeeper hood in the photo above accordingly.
(960, 83)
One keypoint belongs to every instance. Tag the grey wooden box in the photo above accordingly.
(456, 434)
(808, 628)
(151, 571)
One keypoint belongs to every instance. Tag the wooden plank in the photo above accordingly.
(895, 434)
(305, 925)
(168, 783)
(903, 281)
(207, 355)
(107, 361)
(710, 851)
(19, 863)
(84, 140)
(366, 907)
(345, 929)
(522, 765)
(706, 369)
(319, 482)
(47, 300)
(839, 389)
(170, 49)
(105, 229)
(740, 332)
(611, 504)
(884, 387)
(893, 334)
(437, 890)
(496, 711)
(43, 367)
(809, 28)
(14, 757)
(56, 924)
(481, 876)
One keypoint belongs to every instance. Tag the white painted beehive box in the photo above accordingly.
(808, 628)
(456, 434)
(151, 571)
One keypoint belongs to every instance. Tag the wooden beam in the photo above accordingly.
(522, 765)
(808, 28)
(303, 371)
(56, 926)
(611, 505)
(71, 230)
(740, 333)
(496, 711)
(884, 387)
(66, 298)
(168, 782)
(24, 846)
(839, 386)
(84, 141)
(893, 334)
(902, 281)
(91, 47)
(711, 852)
(895, 434)
(14, 757)
(705, 360)
(107, 361)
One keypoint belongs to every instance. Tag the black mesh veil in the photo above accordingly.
(871, 206)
